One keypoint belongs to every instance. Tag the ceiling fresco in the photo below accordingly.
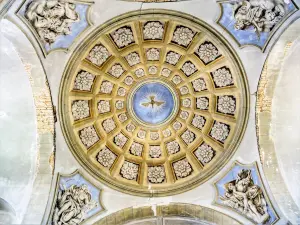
(154, 106)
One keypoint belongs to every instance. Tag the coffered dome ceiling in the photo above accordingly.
(153, 103)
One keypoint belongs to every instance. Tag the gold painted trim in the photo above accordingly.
(65, 50)
(59, 175)
(272, 33)
(195, 181)
(237, 163)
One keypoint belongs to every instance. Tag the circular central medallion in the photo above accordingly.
(153, 103)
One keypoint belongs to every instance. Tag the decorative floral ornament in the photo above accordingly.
(141, 134)
(198, 121)
(88, 136)
(106, 87)
(133, 58)
(98, 55)
(186, 103)
(188, 137)
(173, 147)
(120, 140)
(130, 127)
(140, 72)
(204, 153)
(155, 151)
(220, 131)
(184, 90)
(152, 54)
(84, 81)
(116, 70)
(153, 30)
(103, 106)
(199, 85)
(226, 104)
(166, 133)
(121, 92)
(80, 109)
(183, 36)
(177, 79)
(128, 80)
(123, 117)
(106, 158)
(208, 52)
(202, 103)
(172, 58)
(109, 125)
(136, 149)
(182, 168)
(177, 125)
(123, 37)
(222, 77)
(129, 170)
(188, 68)
(119, 104)
(154, 136)
(152, 70)
(184, 115)
(165, 72)
(156, 174)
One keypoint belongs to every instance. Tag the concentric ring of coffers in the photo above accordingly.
(183, 54)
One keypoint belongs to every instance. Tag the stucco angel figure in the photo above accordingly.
(72, 205)
(51, 18)
(262, 15)
(246, 197)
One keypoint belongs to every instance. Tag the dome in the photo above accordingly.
(153, 103)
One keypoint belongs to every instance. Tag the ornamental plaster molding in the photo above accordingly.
(242, 190)
(252, 22)
(76, 200)
(55, 24)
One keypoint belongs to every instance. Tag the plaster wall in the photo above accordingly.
(286, 121)
(18, 144)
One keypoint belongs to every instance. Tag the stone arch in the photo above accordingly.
(187, 212)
